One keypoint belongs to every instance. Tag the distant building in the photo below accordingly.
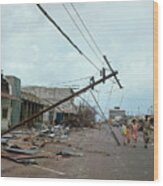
(117, 113)
(50, 96)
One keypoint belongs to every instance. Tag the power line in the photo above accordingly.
(84, 25)
(93, 40)
(76, 80)
(112, 132)
(65, 35)
(78, 28)
(109, 97)
(98, 105)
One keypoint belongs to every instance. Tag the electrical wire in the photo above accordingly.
(78, 28)
(84, 25)
(66, 36)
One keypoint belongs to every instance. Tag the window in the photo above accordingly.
(4, 113)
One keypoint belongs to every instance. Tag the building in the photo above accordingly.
(7, 101)
(30, 104)
(15, 91)
(117, 114)
(50, 96)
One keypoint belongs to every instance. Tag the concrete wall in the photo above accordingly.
(15, 85)
(5, 122)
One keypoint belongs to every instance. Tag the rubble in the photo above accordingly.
(25, 146)
(21, 151)
(69, 152)
(27, 161)
(4, 141)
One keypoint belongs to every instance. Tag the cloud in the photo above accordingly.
(36, 52)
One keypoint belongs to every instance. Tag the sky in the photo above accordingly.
(33, 50)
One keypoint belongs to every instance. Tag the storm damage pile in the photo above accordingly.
(26, 146)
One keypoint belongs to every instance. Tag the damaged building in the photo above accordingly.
(31, 104)
(10, 101)
(50, 96)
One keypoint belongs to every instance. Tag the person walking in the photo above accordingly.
(135, 128)
(128, 135)
(146, 131)
(124, 133)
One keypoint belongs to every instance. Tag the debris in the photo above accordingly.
(23, 151)
(51, 135)
(25, 158)
(26, 161)
(8, 136)
(4, 141)
(64, 136)
(44, 131)
(68, 153)
(98, 152)
(20, 144)
(39, 142)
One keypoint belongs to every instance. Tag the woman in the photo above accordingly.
(128, 134)
(135, 128)
(124, 133)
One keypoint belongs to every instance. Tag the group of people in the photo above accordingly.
(130, 132)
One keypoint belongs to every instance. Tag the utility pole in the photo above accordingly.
(61, 101)
(111, 69)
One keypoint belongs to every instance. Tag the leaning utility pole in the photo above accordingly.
(111, 69)
(61, 101)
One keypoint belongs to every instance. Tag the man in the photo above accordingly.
(146, 131)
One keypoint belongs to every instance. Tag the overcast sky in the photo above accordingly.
(34, 51)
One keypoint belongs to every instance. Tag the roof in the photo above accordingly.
(30, 97)
(50, 96)
(8, 96)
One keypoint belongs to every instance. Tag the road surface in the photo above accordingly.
(100, 158)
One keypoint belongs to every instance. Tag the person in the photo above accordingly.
(135, 128)
(124, 133)
(146, 131)
(128, 135)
